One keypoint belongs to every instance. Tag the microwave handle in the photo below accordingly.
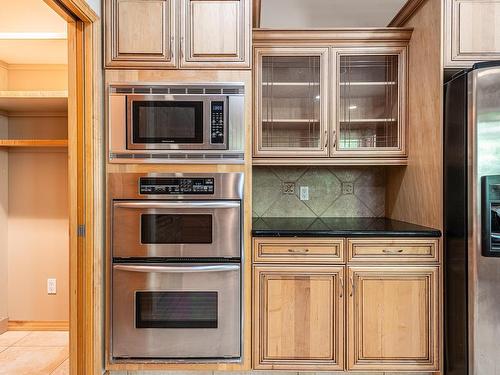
(177, 269)
(146, 205)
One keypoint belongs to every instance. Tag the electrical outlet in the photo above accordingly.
(51, 286)
(304, 193)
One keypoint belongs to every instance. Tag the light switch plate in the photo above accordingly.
(51, 286)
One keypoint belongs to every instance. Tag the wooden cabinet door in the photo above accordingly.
(215, 33)
(140, 33)
(393, 315)
(369, 109)
(291, 102)
(472, 32)
(298, 318)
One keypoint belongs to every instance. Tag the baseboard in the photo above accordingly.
(38, 325)
(3, 325)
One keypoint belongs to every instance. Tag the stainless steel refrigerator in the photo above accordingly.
(472, 221)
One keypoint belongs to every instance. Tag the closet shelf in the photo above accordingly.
(33, 143)
(33, 101)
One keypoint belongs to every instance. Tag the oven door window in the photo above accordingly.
(157, 229)
(167, 122)
(176, 309)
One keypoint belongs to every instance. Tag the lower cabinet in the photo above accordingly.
(361, 316)
(298, 317)
(392, 318)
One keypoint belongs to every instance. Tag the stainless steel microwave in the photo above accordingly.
(176, 122)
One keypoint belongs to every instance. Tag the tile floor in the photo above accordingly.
(34, 353)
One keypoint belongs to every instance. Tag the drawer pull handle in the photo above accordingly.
(298, 250)
(341, 287)
(393, 251)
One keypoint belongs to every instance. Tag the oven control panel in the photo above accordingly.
(217, 123)
(172, 186)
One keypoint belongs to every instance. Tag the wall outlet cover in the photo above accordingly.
(51, 286)
(347, 188)
(304, 193)
(288, 188)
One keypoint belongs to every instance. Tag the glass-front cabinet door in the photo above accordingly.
(369, 109)
(291, 102)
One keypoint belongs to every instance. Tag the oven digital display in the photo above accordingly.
(173, 186)
(164, 309)
(176, 229)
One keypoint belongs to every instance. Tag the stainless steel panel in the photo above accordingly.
(125, 186)
(221, 342)
(484, 273)
(225, 229)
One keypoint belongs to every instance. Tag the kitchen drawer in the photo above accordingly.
(298, 250)
(387, 250)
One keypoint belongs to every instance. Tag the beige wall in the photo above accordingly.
(38, 235)
(37, 77)
(4, 207)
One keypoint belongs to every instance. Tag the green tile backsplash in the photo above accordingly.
(333, 191)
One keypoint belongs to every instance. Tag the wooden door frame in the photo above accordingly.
(84, 170)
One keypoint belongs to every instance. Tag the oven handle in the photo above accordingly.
(178, 269)
(146, 205)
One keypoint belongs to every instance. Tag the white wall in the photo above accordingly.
(328, 13)
(95, 5)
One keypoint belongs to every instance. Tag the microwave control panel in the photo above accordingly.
(173, 186)
(217, 123)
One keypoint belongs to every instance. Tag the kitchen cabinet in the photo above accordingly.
(389, 288)
(330, 97)
(393, 318)
(370, 105)
(291, 102)
(472, 32)
(141, 33)
(213, 34)
(298, 317)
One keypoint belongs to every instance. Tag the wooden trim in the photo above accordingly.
(330, 161)
(257, 13)
(406, 12)
(332, 35)
(84, 51)
(3, 325)
(38, 325)
(33, 143)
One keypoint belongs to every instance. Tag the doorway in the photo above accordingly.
(48, 123)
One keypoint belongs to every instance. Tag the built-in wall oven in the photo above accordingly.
(176, 245)
(150, 123)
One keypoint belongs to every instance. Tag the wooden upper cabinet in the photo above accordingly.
(298, 318)
(291, 102)
(369, 110)
(215, 33)
(393, 315)
(472, 32)
(140, 33)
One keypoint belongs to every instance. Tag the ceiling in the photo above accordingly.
(328, 13)
(46, 42)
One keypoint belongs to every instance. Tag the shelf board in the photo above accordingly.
(294, 120)
(33, 101)
(33, 143)
(368, 120)
(368, 83)
(290, 83)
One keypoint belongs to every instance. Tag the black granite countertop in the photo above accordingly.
(338, 227)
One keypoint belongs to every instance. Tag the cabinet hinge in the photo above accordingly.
(81, 230)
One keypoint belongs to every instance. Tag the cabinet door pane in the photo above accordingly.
(368, 111)
(300, 318)
(292, 104)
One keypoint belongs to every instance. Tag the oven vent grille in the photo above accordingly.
(178, 156)
(178, 90)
